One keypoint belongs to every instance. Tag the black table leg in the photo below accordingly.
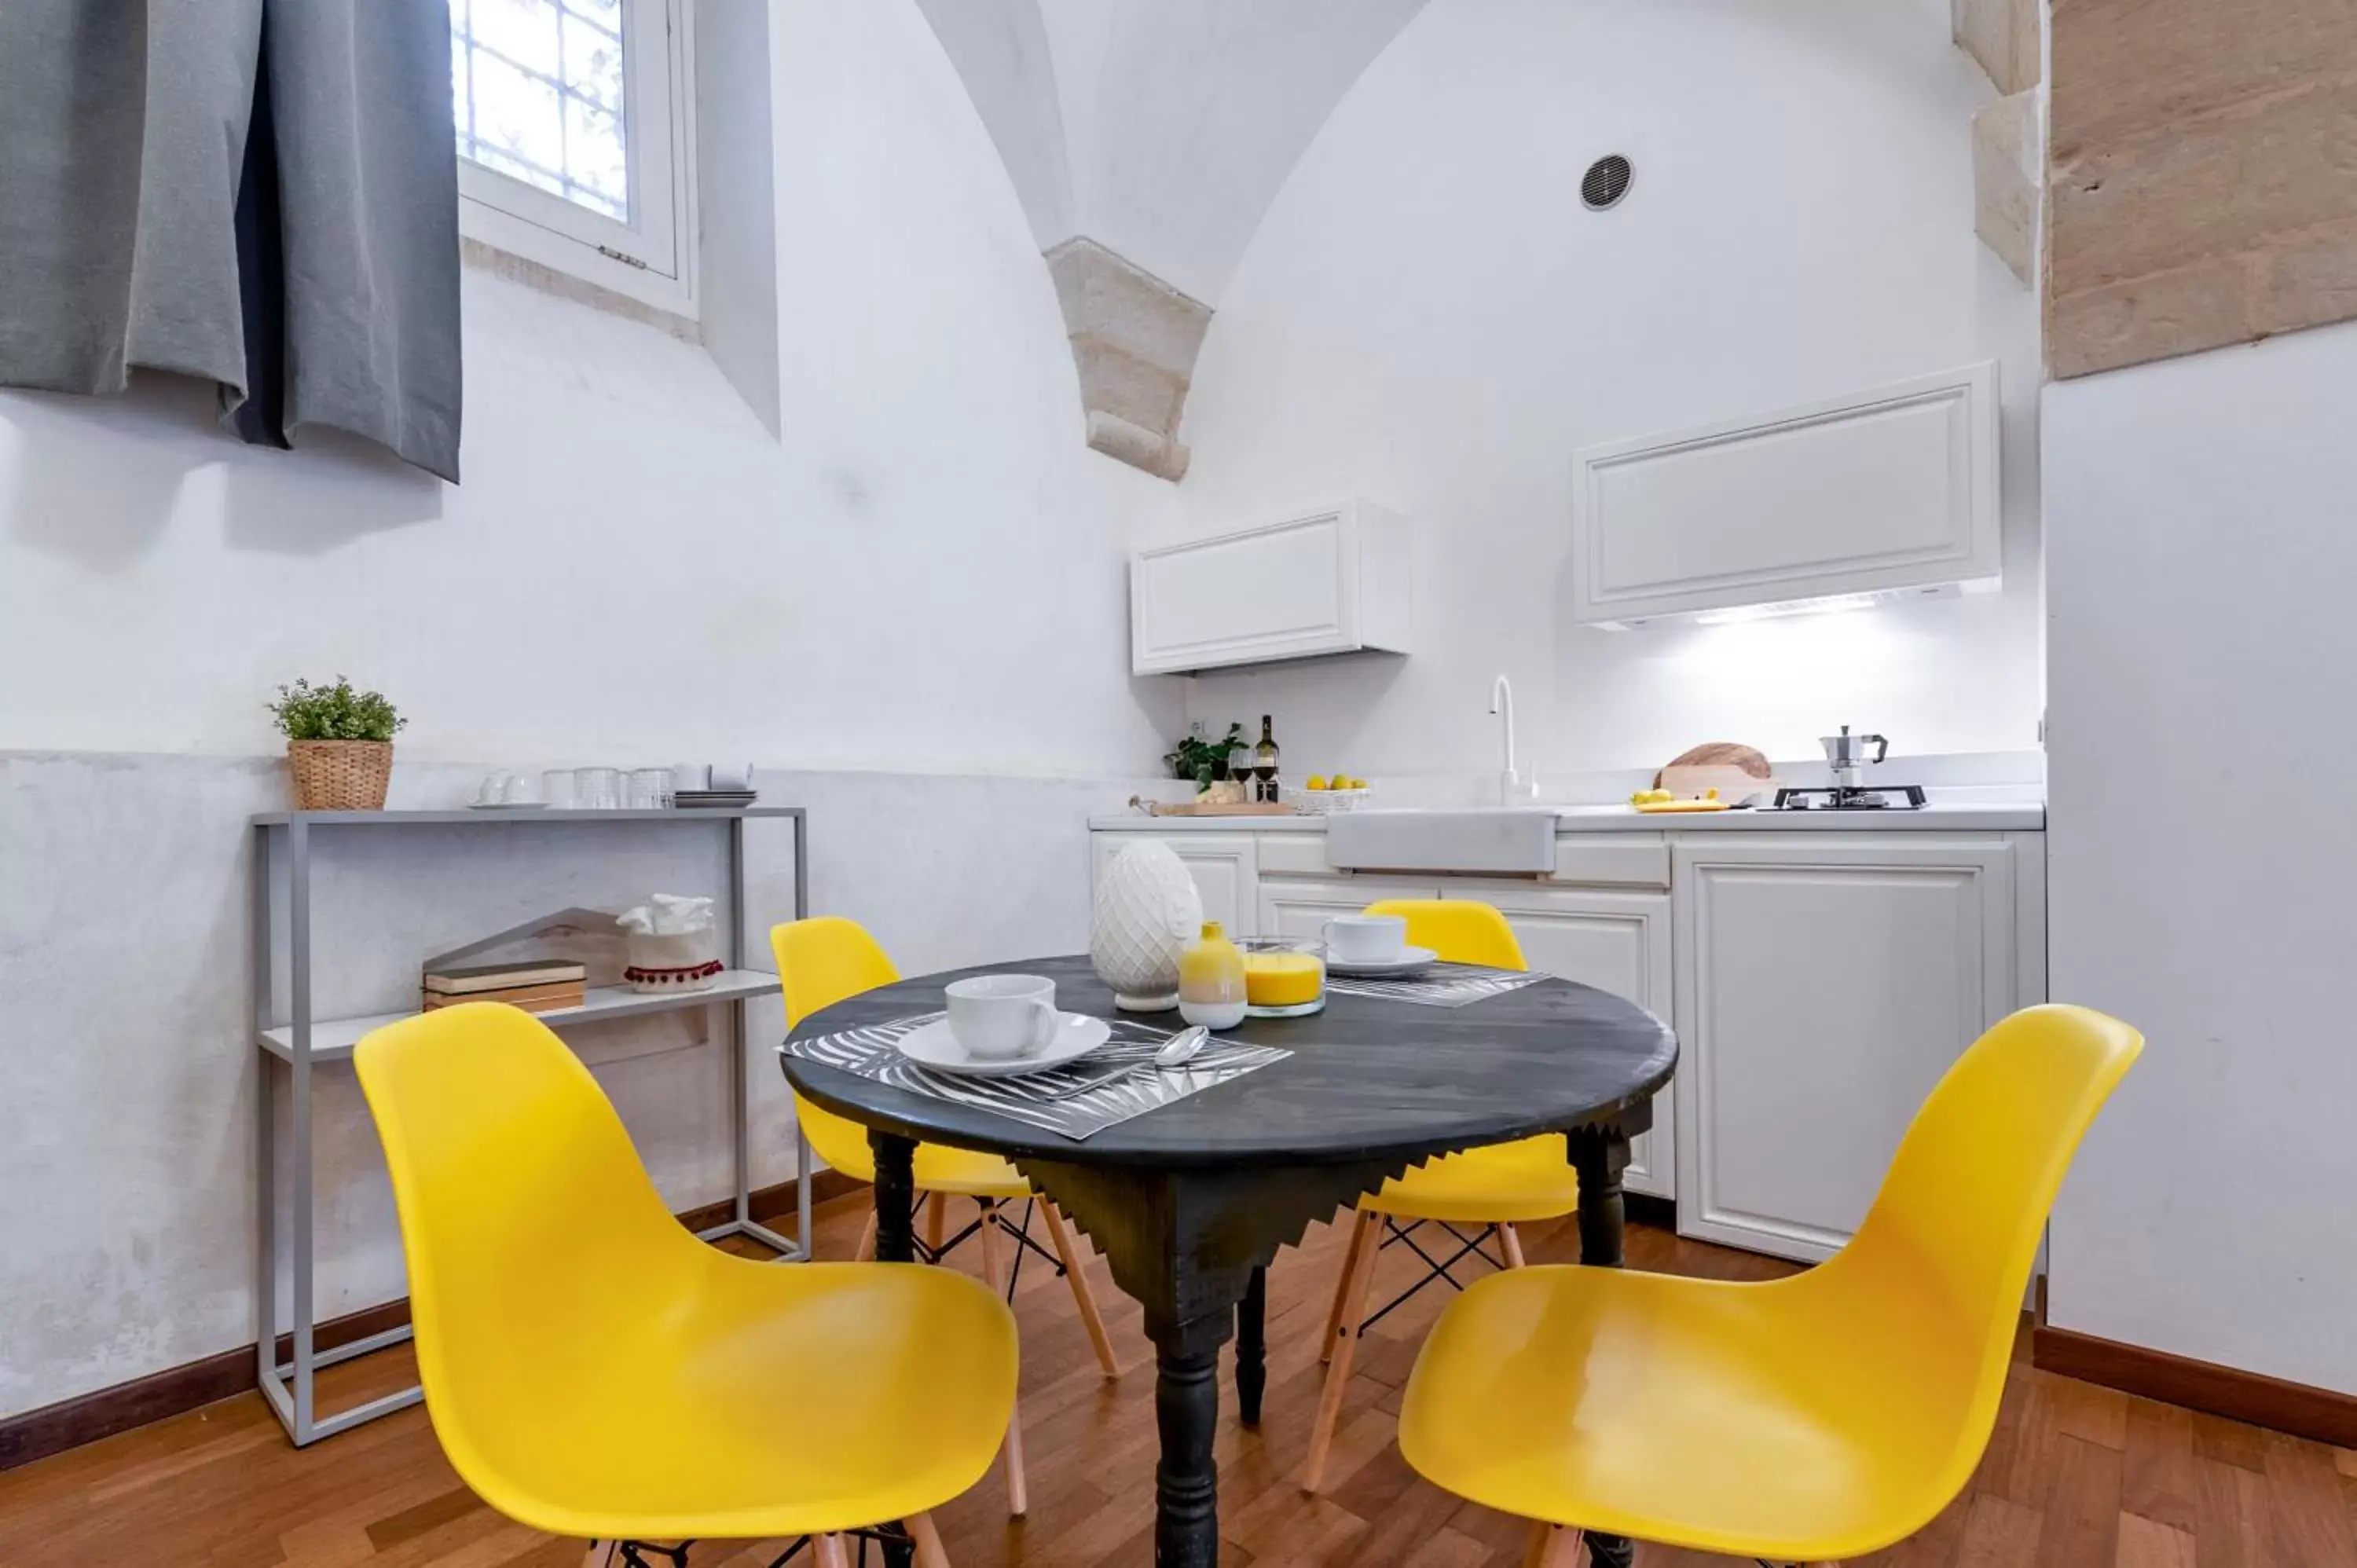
(1251, 1347)
(896, 1242)
(1187, 1411)
(1599, 1155)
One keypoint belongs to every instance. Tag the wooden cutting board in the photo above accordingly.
(1224, 809)
(1736, 772)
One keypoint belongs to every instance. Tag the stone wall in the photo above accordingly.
(2201, 175)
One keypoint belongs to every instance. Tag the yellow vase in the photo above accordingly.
(1212, 980)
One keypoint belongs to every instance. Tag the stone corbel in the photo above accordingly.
(1134, 339)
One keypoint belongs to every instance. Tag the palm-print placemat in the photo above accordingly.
(1442, 985)
(1116, 1081)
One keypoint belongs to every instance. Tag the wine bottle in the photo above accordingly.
(1265, 762)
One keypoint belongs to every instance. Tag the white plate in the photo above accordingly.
(934, 1045)
(1409, 960)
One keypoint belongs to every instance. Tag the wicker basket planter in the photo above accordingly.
(340, 775)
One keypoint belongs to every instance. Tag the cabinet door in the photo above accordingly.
(1334, 580)
(1225, 866)
(1300, 909)
(1618, 942)
(1824, 984)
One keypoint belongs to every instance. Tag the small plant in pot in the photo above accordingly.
(338, 744)
(1204, 761)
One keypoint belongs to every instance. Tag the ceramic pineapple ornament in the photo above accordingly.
(1148, 910)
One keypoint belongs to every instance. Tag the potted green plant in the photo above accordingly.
(1204, 760)
(338, 744)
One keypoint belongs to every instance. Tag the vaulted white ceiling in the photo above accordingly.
(1146, 139)
(1162, 129)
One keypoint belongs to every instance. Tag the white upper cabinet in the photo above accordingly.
(1332, 580)
(1891, 492)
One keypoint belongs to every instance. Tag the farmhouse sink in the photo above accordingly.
(1509, 839)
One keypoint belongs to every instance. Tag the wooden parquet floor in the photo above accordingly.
(2077, 1476)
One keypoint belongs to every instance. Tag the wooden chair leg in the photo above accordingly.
(930, 1554)
(866, 1252)
(1361, 1224)
(830, 1553)
(1352, 1314)
(601, 1554)
(1091, 1318)
(994, 1273)
(1510, 1242)
(1552, 1546)
(937, 1211)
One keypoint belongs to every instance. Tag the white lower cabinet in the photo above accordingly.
(1300, 909)
(1824, 984)
(1618, 942)
(1819, 984)
(1226, 868)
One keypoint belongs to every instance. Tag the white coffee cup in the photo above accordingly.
(1366, 938)
(997, 1018)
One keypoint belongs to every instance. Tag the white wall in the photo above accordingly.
(2200, 848)
(1430, 317)
(633, 567)
(923, 576)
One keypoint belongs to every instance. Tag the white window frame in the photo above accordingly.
(652, 257)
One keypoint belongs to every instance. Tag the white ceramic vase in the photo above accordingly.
(1148, 910)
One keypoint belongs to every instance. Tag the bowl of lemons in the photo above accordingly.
(1322, 794)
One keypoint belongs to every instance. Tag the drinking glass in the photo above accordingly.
(557, 788)
(650, 789)
(598, 788)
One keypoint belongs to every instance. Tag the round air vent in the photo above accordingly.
(1606, 182)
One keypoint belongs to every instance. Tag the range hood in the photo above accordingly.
(1889, 493)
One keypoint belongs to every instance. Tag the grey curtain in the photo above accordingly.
(260, 192)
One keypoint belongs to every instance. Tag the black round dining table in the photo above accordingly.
(1190, 1201)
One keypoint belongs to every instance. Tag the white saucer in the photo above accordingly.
(1409, 960)
(934, 1045)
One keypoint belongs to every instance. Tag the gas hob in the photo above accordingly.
(1852, 797)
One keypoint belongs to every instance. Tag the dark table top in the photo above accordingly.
(1369, 1078)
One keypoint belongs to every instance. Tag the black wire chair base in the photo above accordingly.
(1397, 1234)
(994, 1212)
(635, 1553)
(880, 1535)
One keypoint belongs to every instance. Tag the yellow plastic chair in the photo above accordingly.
(593, 1370)
(820, 961)
(1812, 1419)
(1491, 1189)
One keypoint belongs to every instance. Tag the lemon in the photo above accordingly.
(1317, 781)
(1356, 783)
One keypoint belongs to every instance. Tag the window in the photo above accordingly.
(573, 142)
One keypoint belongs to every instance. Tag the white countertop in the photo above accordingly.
(1975, 813)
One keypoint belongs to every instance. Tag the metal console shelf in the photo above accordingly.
(300, 1043)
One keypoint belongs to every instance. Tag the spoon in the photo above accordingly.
(1181, 1047)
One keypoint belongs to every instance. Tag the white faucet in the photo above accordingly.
(1512, 786)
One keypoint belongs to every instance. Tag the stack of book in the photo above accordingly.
(536, 986)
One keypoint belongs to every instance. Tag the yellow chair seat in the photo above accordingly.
(1715, 1417)
(1529, 1179)
(961, 1173)
(1812, 1419)
(757, 1400)
(593, 1370)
